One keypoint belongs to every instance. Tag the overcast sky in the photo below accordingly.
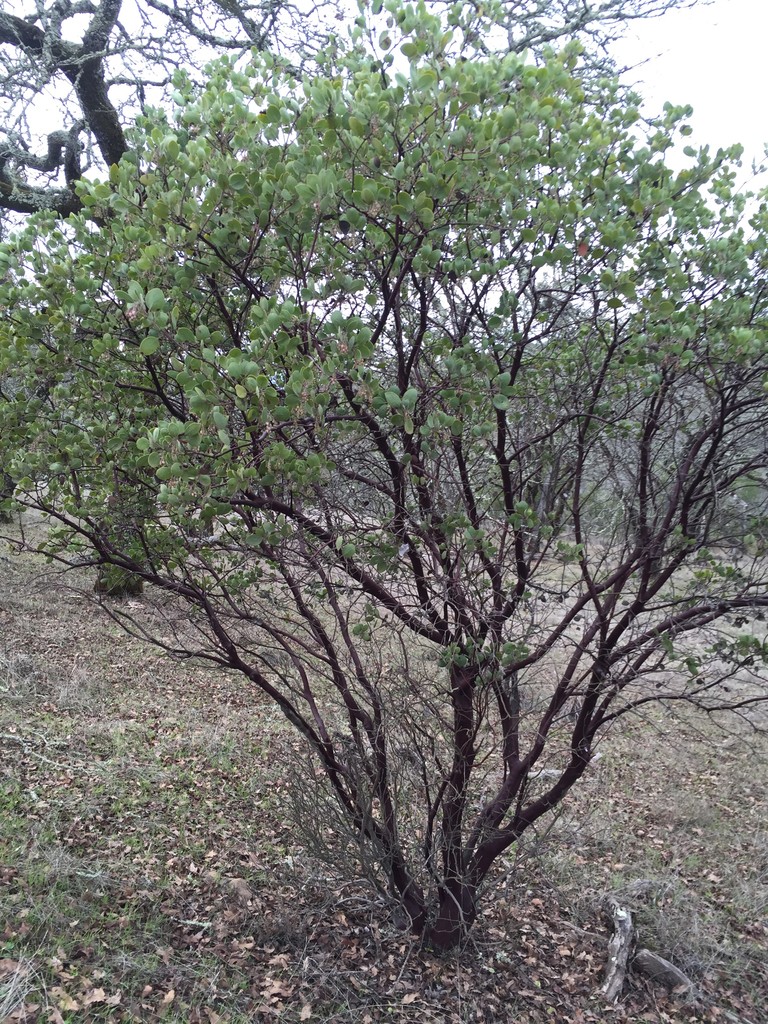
(713, 57)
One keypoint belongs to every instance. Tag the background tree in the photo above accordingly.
(439, 398)
(73, 75)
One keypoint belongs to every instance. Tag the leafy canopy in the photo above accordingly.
(253, 250)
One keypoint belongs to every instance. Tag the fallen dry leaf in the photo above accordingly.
(240, 889)
(64, 999)
(96, 995)
(277, 989)
(8, 967)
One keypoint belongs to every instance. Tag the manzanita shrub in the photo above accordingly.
(438, 398)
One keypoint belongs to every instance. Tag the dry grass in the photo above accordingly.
(681, 840)
(148, 867)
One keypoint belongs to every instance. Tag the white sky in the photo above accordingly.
(713, 57)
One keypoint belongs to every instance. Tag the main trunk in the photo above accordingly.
(457, 899)
(456, 912)
(6, 490)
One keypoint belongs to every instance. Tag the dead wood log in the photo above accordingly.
(644, 961)
(619, 947)
(664, 972)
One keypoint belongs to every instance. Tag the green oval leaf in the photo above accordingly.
(149, 346)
